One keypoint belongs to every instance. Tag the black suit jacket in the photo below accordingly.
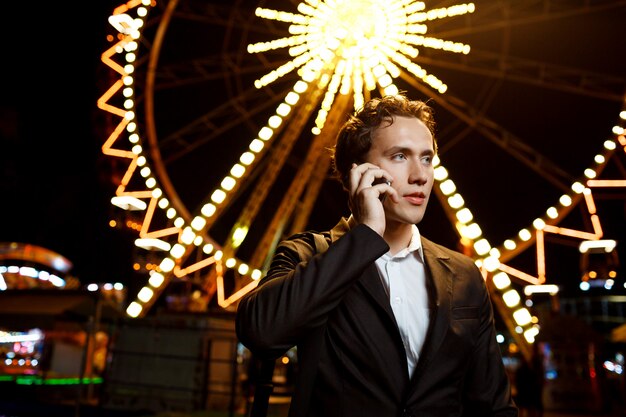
(323, 294)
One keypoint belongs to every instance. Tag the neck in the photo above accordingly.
(398, 236)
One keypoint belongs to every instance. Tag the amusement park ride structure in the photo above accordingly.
(221, 116)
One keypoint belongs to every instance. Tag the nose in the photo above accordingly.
(419, 172)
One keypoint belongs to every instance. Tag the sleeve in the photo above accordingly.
(487, 387)
(297, 295)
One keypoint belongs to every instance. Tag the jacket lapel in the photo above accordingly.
(370, 281)
(439, 278)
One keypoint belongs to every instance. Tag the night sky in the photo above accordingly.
(53, 180)
(56, 184)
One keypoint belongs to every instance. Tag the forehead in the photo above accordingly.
(404, 131)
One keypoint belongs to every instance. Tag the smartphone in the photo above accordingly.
(382, 180)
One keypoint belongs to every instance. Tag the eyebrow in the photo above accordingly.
(404, 149)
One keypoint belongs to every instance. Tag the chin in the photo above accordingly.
(408, 218)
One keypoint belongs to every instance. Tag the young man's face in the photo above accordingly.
(405, 149)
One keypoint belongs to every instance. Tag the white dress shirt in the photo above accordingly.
(404, 278)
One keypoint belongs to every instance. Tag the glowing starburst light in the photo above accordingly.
(363, 42)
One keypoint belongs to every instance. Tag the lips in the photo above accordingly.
(416, 198)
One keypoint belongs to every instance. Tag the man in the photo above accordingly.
(386, 322)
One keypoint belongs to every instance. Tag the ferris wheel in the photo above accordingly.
(223, 114)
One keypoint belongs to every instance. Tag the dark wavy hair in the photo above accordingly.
(354, 139)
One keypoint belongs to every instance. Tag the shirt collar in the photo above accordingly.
(414, 245)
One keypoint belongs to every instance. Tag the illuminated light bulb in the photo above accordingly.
(152, 244)
(256, 146)
(218, 255)
(163, 203)
(511, 298)
(239, 236)
(243, 269)
(256, 274)
(491, 263)
(590, 173)
(441, 173)
(283, 109)
(501, 280)
(524, 234)
(144, 172)
(237, 170)
(126, 202)
(577, 187)
(208, 248)
(218, 196)
(246, 158)
(198, 223)
(456, 201)
(266, 133)
(145, 294)
(522, 317)
(482, 247)
(187, 236)
(300, 87)
(552, 212)
(447, 187)
(134, 309)
(150, 182)
(275, 121)
(208, 210)
(391, 90)
(599, 159)
(531, 334)
(156, 279)
(228, 183)
(565, 200)
(177, 251)
(464, 215)
(471, 231)
(609, 144)
(539, 224)
(170, 213)
(167, 264)
(231, 262)
(292, 98)
(541, 289)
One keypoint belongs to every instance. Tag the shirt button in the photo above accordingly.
(398, 300)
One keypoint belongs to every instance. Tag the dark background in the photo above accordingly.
(56, 185)
(54, 181)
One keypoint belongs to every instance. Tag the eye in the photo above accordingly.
(427, 159)
(398, 156)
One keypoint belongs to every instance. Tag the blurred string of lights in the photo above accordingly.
(29, 272)
(349, 61)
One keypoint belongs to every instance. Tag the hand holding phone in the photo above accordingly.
(382, 180)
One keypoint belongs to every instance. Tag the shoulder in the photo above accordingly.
(305, 244)
(452, 257)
